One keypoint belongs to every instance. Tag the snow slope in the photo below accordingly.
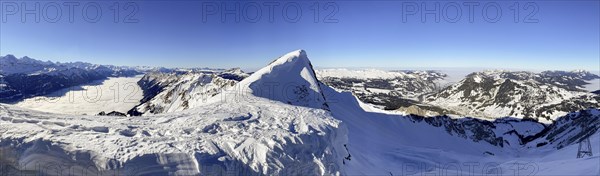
(269, 137)
(254, 133)
(289, 79)
(251, 135)
(384, 144)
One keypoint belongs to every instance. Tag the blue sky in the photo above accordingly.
(366, 34)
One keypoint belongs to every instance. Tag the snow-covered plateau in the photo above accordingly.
(282, 120)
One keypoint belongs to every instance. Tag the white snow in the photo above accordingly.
(385, 144)
(113, 94)
(289, 79)
(264, 134)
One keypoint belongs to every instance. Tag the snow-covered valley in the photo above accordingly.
(113, 94)
(282, 120)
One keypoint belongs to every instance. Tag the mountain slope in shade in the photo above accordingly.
(174, 91)
(26, 77)
(289, 79)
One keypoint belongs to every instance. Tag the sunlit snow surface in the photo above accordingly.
(385, 144)
(253, 134)
(113, 94)
(258, 135)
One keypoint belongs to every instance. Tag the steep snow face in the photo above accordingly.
(384, 144)
(289, 79)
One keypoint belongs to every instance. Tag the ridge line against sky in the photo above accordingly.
(564, 35)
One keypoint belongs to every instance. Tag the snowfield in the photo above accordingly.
(303, 127)
(113, 94)
(251, 136)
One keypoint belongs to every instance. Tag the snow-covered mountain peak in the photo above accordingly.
(297, 57)
(289, 79)
(8, 57)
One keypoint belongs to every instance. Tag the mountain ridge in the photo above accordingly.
(266, 135)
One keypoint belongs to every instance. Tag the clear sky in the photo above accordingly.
(547, 34)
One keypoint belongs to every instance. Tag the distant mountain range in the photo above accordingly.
(26, 77)
(282, 120)
(542, 96)
(489, 94)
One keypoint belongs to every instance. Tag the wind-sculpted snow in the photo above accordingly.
(248, 135)
(244, 138)
(243, 131)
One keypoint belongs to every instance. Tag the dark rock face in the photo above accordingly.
(489, 94)
(572, 128)
(152, 84)
(155, 83)
(566, 130)
(469, 128)
(112, 113)
(26, 77)
(34, 85)
(403, 91)
(567, 80)
(519, 94)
